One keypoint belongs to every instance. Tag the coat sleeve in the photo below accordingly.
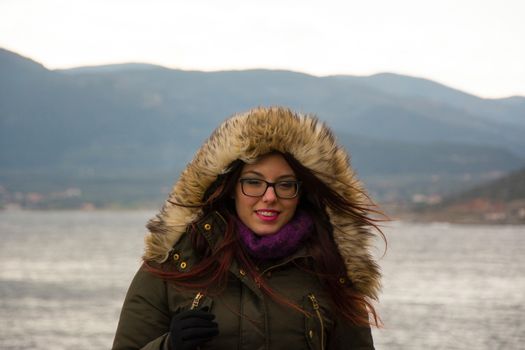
(345, 336)
(145, 318)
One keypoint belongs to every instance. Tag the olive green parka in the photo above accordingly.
(249, 319)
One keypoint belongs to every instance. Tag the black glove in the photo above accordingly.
(192, 328)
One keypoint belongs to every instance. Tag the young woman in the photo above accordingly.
(263, 243)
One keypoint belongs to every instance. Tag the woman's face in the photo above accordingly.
(266, 214)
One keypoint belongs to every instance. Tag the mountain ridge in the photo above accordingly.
(108, 121)
(495, 202)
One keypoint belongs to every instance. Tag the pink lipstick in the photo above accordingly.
(267, 214)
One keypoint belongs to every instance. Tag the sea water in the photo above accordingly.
(64, 275)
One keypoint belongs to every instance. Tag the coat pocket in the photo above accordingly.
(316, 324)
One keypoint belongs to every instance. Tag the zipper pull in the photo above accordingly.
(196, 301)
(315, 304)
(316, 307)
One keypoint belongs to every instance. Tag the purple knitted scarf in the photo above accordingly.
(281, 244)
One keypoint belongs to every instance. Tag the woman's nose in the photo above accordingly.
(269, 195)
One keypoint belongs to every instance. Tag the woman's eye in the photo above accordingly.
(253, 182)
(286, 185)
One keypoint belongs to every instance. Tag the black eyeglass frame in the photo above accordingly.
(271, 184)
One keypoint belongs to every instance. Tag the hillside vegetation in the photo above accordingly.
(499, 201)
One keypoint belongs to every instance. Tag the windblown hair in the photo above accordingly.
(317, 199)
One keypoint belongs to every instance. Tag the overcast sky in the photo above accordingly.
(474, 45)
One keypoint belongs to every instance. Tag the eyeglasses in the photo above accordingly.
(286, 189)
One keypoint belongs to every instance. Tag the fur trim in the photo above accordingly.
(247, 137)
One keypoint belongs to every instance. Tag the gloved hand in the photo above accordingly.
(191, 328)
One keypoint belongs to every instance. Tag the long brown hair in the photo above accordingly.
(211, 273)
(330, 268)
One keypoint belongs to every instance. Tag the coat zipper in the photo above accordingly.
(196, 301)
(315, 305)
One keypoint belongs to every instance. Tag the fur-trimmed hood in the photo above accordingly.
(248, 136)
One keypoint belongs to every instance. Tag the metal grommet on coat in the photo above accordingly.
(342, 280)
(183, 265)
(176, 257)
(207, 227)
(242, 272)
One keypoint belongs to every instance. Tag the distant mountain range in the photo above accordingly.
(125, 131)
(506, 189)
(498, 201)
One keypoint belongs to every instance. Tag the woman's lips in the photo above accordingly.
(267, 214)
